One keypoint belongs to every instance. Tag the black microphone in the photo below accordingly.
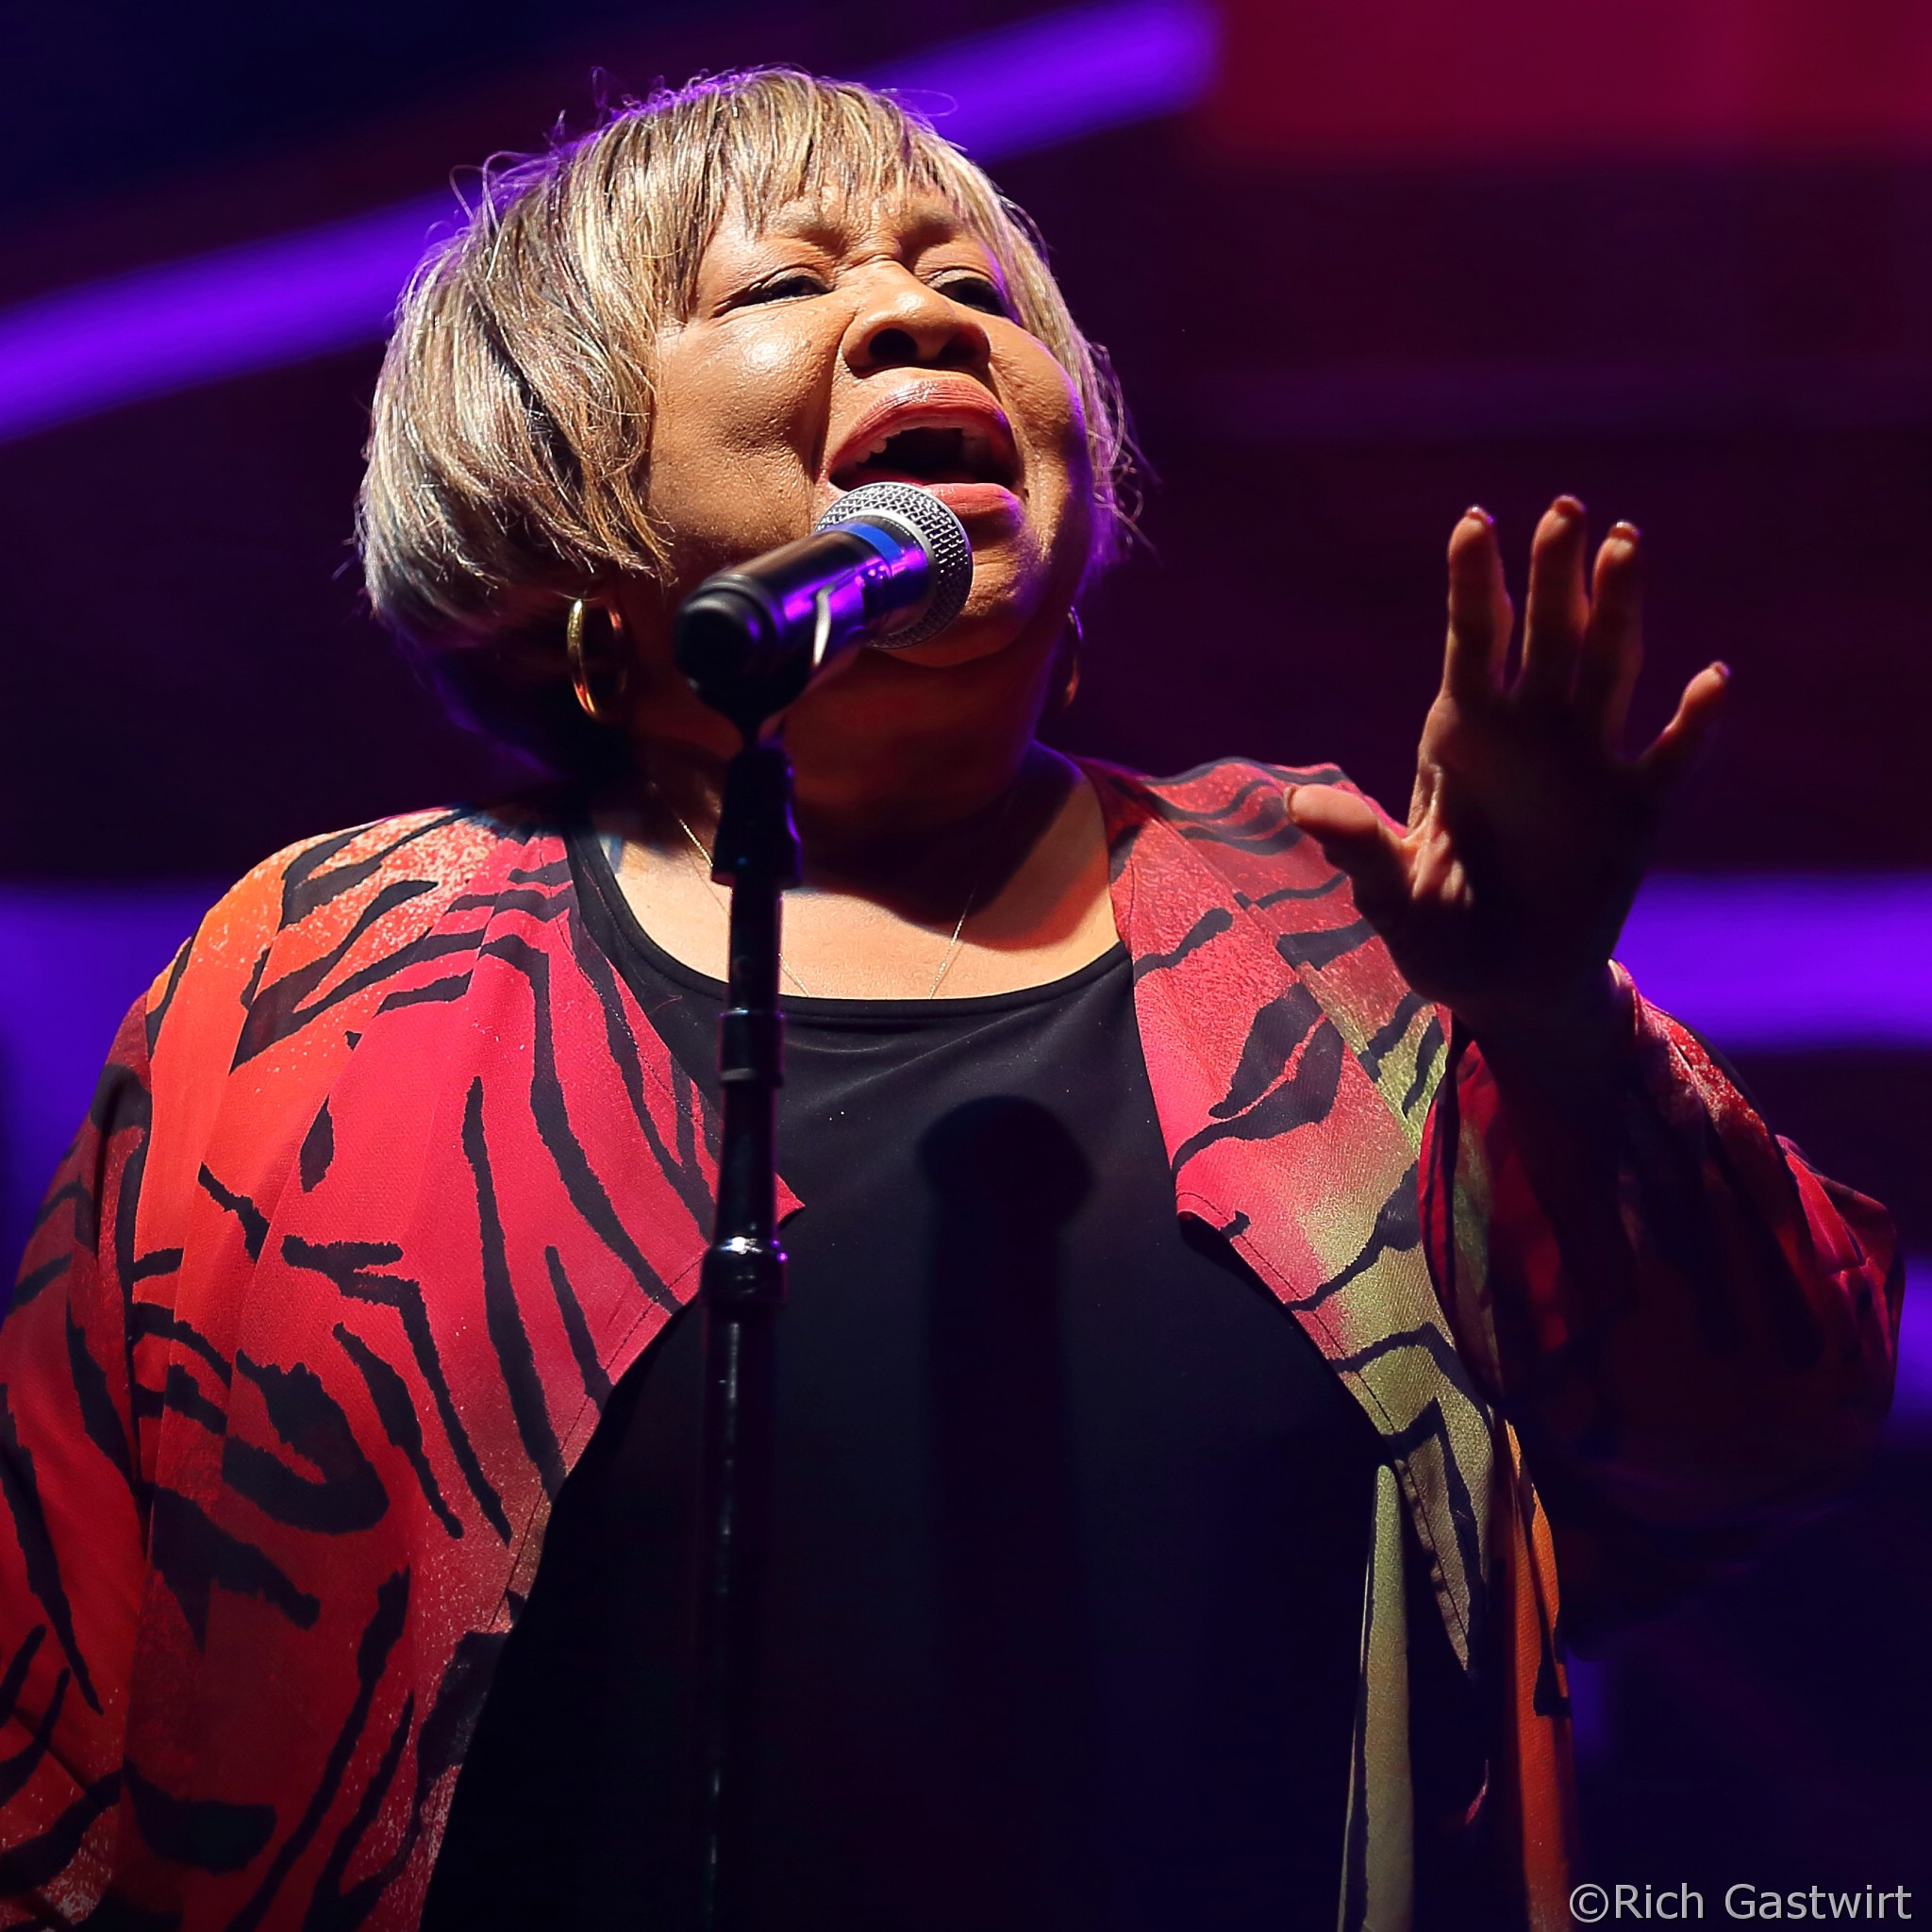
(887, 566)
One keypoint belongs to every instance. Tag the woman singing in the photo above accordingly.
(1248, 1257)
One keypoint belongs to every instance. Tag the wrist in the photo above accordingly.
(1578, 1033)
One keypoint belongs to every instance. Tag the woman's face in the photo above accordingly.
(842, 344)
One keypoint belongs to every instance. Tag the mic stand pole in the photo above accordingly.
(742, 1287)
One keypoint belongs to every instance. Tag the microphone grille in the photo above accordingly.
(917, 514)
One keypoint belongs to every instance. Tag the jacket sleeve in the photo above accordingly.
(1693, 1332)
(73, 1514)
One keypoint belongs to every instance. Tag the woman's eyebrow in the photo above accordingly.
(924, 225)
(802, 224)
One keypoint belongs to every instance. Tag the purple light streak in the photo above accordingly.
(1912, 1402)
(83, 350)
(1784, 963)
(72, 959)
(1062, 76)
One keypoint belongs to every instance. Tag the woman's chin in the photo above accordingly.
(1014, 582)
(988, 626)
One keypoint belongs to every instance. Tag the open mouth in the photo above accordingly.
(928, 453)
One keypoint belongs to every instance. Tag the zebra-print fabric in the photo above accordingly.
(388, 1182)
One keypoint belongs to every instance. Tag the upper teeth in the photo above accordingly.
(974, 439)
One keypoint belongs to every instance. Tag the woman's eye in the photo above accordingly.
(787, 287)
(976, 292)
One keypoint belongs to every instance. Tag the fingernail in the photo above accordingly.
(1570, 506)
(1721, 669)
(1625, 530)
(1480, 514)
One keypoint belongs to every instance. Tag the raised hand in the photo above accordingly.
(1529, 830)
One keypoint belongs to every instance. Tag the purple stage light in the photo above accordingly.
(1053, 79)
(1784, 963)
(83, 350)
(91, 349)
(1912, 1402)
(72, 959)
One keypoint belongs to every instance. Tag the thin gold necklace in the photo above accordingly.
(723, 898)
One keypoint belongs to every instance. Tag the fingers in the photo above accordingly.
(1613, 640)
(1556, 610)
(1479, 612)
(1682, 741)
(1355, 837)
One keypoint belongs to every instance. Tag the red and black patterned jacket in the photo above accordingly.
(388, 1182)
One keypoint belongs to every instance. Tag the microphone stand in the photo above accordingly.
(742, 1287)
(729, 641)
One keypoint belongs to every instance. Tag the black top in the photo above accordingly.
(1071, 1523)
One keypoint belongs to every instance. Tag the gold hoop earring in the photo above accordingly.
(599, 710)
(1070, 684)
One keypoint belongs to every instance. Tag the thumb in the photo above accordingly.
(1356, 839)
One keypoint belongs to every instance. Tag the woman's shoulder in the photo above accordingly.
(328, 883)
(324, 913)
(238, 1039)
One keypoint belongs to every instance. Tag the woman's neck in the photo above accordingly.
(1002, 873)
(901, 770)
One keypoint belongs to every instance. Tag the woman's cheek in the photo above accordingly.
(730, 466)
(768, 361)
(1060, 465)
(722, 499)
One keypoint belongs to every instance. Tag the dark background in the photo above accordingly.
(1403, 257)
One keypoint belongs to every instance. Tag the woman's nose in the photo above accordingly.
(905, 322)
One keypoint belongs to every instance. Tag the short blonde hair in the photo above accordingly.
(503, 473)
